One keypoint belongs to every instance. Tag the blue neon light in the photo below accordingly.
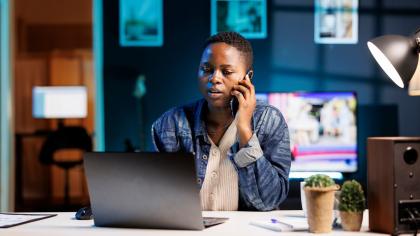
(98, 73)
(6, 161)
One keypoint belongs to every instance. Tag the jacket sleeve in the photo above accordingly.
(263, 164)
(164, 134)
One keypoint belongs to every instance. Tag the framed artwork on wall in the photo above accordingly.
(141, 23)
(247, 17)
(336, 21)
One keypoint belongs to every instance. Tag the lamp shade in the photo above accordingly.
(397, 55)
(414, 86)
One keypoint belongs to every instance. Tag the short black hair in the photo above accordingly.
(237, 41)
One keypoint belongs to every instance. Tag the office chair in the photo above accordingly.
(65, 137)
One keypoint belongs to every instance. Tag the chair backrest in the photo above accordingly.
(74, 137)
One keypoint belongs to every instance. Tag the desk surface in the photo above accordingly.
(238, 224)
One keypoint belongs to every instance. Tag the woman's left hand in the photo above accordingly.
(245, 93)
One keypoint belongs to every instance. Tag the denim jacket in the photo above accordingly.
(262, 165)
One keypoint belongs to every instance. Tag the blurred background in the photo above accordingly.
(126, 86)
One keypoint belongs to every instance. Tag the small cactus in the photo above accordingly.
(352, 198)
(319, 181)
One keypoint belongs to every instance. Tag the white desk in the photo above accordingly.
(238, 224)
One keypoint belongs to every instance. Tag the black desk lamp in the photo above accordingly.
(398, 56)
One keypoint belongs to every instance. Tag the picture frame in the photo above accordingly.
(336, 21)
(141, 23)
(247, 17)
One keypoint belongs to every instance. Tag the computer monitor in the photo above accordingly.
(59, 102)
(322, 128)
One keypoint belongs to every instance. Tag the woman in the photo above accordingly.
(241, 145)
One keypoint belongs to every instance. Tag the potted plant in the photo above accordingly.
(351, 205)
(319, 192)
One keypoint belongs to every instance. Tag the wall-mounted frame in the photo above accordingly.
(336, 21)
(247, 17)
(141, 23)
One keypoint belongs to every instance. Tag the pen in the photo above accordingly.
(275, 221)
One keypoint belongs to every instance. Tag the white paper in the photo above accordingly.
(9, 219)
(297, 223)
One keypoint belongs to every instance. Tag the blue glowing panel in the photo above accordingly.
(141, 23)
(98, 74)
(247, 17)
(336, 21)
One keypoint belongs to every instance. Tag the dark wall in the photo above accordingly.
(170, 70)
(287, 60)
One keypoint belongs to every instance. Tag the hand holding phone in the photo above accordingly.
(243, 105)
(234, 104)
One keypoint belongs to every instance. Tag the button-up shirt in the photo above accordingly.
(220, 187)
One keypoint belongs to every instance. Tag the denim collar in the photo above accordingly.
(199, 125)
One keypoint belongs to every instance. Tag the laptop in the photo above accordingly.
(145, 190)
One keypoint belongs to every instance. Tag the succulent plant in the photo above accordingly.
(352, 198)
(319, 181)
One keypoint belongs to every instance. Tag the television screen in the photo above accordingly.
(59, 102)
(322, 127)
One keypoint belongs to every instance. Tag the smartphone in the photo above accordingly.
(234, 104)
